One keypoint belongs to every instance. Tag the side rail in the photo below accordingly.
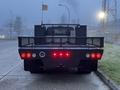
(37, 41)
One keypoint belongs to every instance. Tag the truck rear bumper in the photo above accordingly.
(77, 58)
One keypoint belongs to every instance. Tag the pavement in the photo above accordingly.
(13, 77)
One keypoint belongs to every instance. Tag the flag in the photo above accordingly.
(44, 7)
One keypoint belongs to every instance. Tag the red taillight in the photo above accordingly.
(93, 55)
(67, 54)
(29, 55)
(23, 55)
(61, 54)
(54, 54)
(96, 56)
(26, 55)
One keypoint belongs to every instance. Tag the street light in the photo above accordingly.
(102, 15)
(68, 10)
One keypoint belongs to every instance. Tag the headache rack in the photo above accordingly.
(52, 41)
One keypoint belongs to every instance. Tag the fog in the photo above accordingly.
(30, 10)
(30, 13)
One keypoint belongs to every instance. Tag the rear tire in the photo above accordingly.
(36, 67)
(85, 67)
(26, 65)
(94, 65)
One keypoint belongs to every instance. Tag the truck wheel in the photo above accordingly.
(26, 65)
(84, 67)
(94, 65)
(36, 67)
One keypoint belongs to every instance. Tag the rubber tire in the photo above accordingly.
(36, 70)
(94, 65)
(27, 65)
(84, 67)
(35, 67)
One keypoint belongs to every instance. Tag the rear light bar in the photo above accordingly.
(94, 56)
(61, 54)
(26, 55)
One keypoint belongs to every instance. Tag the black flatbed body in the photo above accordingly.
(60, 46)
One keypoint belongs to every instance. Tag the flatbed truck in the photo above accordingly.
(60, 46)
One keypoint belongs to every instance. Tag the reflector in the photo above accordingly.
(87, 55)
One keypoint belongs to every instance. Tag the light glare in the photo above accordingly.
(101, 15)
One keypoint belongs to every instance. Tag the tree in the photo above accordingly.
(18, 25)
(9, 27)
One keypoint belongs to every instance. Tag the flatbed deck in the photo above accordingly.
(75, 47)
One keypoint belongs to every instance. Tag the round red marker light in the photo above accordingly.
(98, 55)
(54, 54)
(60, 54)
(29, 55)
(67, 54)
(93, 56)
(23, 55)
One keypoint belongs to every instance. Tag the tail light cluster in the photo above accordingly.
(94, 56)
(61, 54)
(30, 55)
(58, 55)
(26, 55)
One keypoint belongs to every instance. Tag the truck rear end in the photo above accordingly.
(60, 47)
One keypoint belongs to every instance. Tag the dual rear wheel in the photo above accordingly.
(35, 66)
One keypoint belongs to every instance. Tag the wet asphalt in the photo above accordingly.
(13, 77)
